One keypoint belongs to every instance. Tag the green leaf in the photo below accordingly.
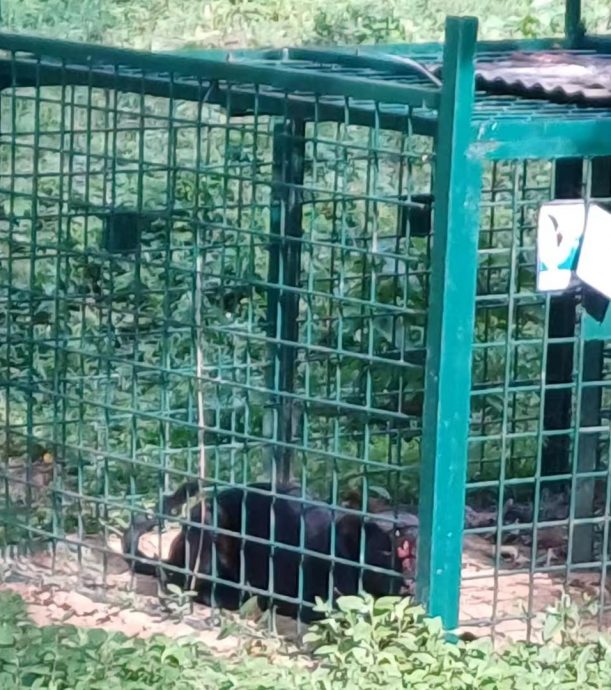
(7, 636)
(551, 627)
(350, 603)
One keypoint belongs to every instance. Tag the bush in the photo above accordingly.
(391, 643)
(365, 645)
(69, 658)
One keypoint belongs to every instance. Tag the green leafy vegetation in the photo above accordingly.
(364, 645)
(253, 23)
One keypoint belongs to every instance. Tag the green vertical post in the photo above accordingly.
(557, 414)
(285, 272)
(5, 83)
(458, 179)
(573, 26)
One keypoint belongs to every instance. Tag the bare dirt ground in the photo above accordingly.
(73, 588)
(77, 588)
(508, 596)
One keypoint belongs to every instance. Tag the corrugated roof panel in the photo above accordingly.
(560, 76)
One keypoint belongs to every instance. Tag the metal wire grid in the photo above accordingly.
(312, 338)
(540, 405)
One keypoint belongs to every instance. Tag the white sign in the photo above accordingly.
(559, 231)
(594, 265)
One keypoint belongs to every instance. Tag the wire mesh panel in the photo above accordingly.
(539, 440)
(204, 276)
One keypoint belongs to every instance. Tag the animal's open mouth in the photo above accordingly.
(406, 553)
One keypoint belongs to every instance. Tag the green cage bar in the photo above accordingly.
(225, 269)
(240, 294)
(446, 411)
(285, 269)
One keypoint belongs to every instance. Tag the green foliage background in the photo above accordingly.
(253, 23)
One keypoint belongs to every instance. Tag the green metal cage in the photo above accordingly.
(208, 270)
(308, 265)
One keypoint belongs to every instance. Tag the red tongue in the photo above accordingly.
(407, 556)
(405, 551)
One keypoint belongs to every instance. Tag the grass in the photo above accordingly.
(164, 24)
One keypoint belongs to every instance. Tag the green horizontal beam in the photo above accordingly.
(238, 100)
(553, 137)
(601, 44)
(430, 49)
(279, 77)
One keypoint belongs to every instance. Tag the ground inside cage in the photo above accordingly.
(75, 586)
(507, 595)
